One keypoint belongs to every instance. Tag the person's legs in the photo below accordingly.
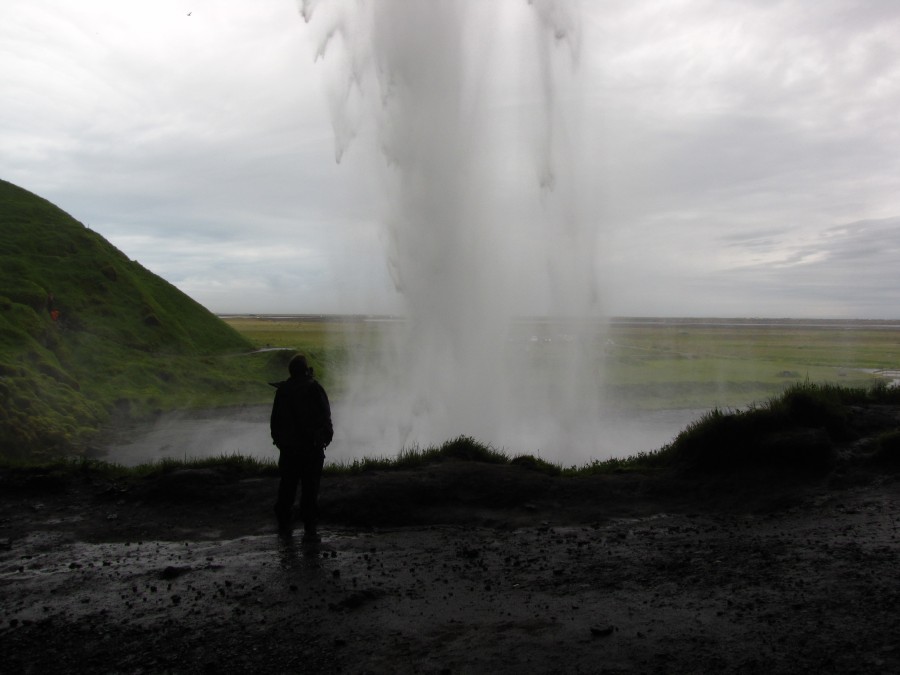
(290, 469)
(310, 478)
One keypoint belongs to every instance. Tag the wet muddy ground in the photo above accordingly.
(433, 571)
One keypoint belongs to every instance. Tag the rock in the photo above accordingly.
(597, 631)
(172, 572)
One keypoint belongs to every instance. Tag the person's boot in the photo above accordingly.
(285, 527)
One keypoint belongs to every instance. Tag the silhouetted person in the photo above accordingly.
(301, 428)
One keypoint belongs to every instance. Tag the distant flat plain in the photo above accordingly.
(645, 363)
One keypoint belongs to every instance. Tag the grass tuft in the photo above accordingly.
(796, 431)
(234, 463)
(642, 461)
(537, 464)
(62, 469)
(462, 448)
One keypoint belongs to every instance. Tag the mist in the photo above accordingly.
(483, 223)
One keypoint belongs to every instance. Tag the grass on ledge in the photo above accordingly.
(460, 448)
(796, 431)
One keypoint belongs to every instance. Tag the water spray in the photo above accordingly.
(474, 107)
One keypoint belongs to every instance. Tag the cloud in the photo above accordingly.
(736, 157)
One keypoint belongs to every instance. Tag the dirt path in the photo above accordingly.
(614, 574)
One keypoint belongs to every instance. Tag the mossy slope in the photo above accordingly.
(124, 339)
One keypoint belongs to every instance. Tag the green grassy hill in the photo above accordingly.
(86, 333)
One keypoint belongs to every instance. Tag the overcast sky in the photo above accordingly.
(743, 155)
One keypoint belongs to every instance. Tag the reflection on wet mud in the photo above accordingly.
(293, 555)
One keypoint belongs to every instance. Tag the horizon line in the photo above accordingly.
(647, 319)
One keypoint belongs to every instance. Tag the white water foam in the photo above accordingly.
(475, 109)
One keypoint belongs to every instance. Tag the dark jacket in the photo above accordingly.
(301, 415)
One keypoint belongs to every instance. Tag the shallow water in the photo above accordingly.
(186, 435)
(245, 431)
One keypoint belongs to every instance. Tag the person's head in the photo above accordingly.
(298, 366)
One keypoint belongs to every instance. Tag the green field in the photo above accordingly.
(329, 342)
(732, 363)
(650, 364)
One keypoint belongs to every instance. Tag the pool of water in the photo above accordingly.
(245, 431)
